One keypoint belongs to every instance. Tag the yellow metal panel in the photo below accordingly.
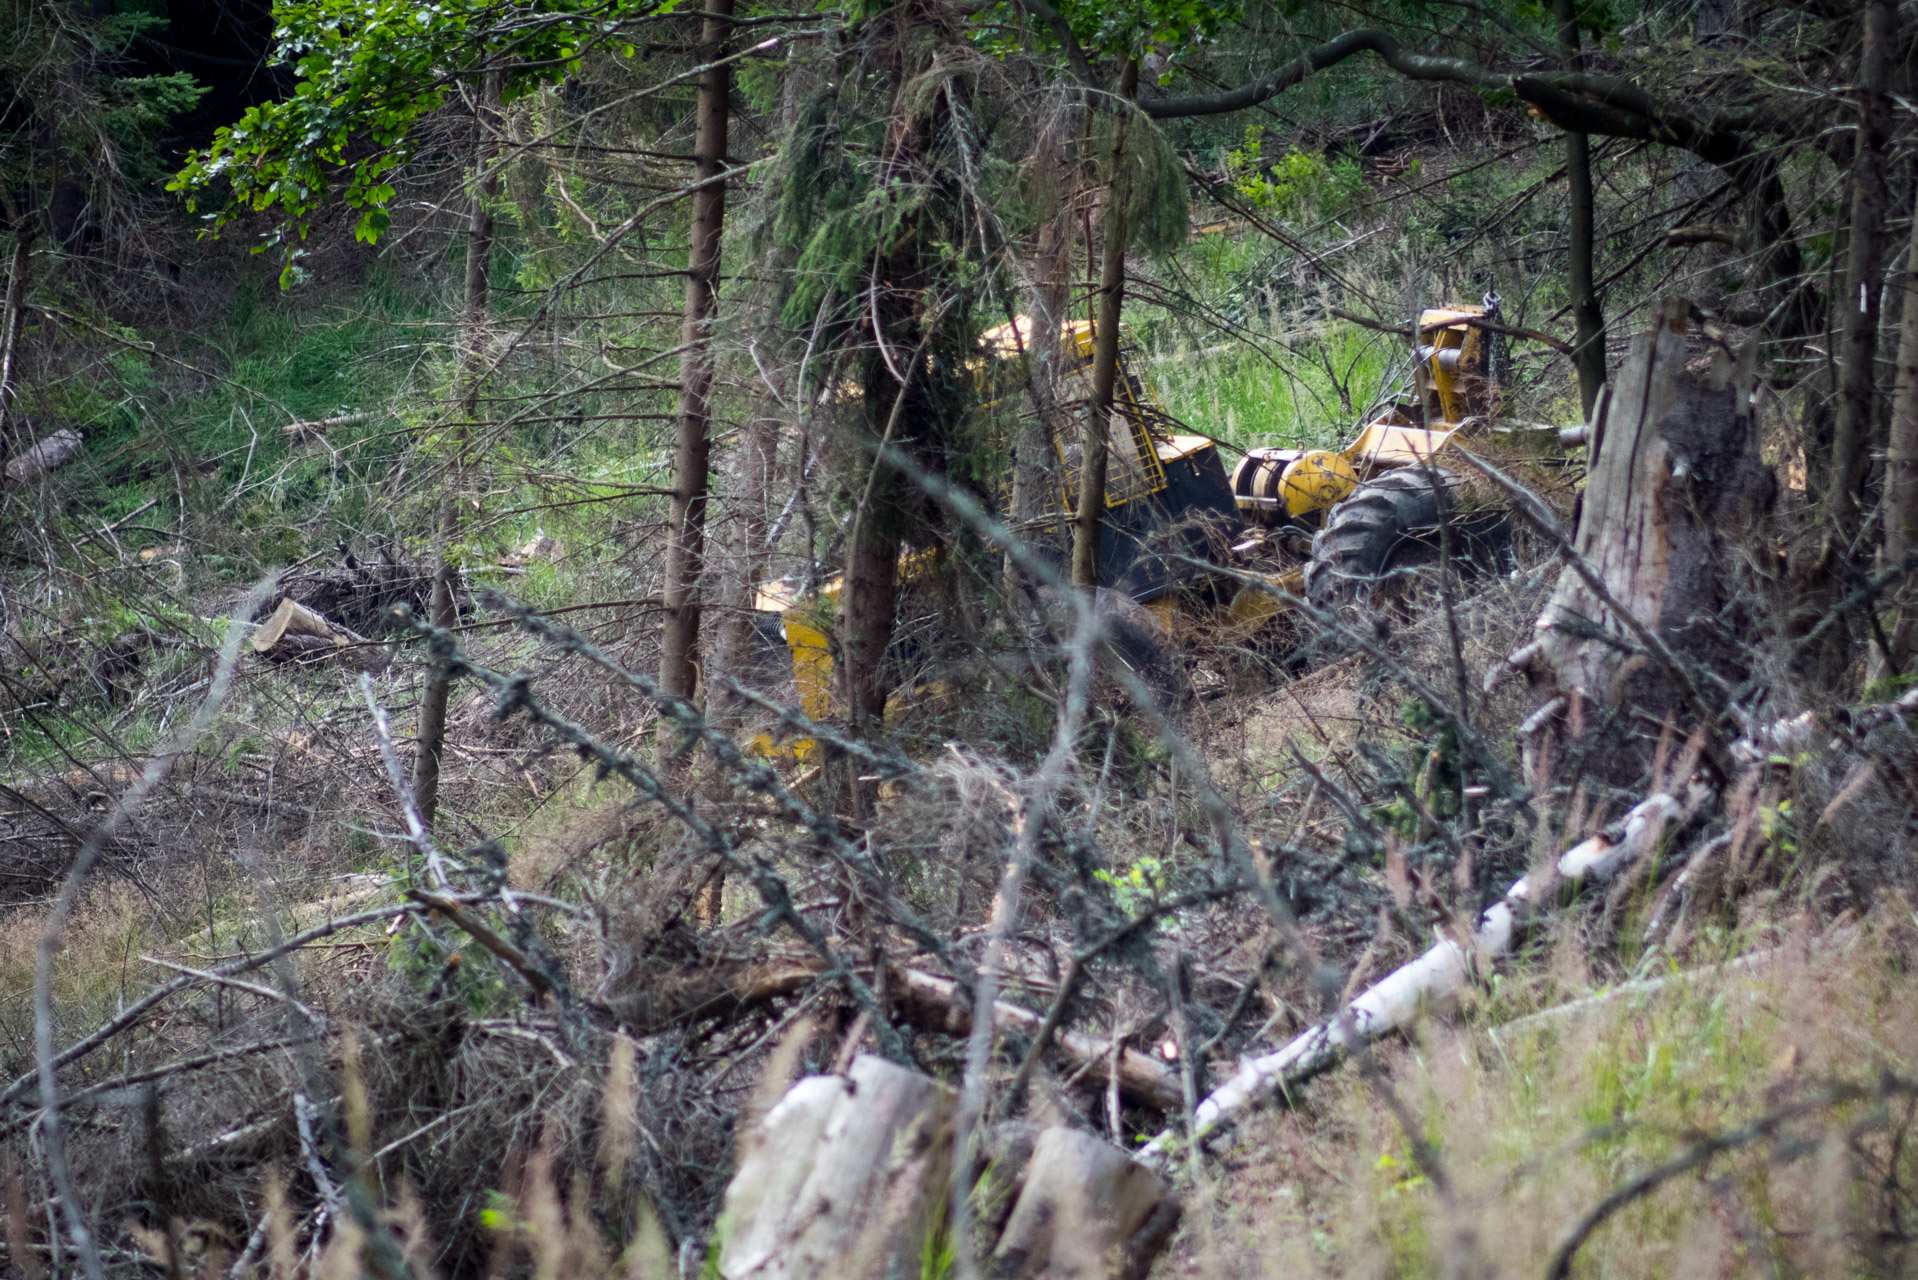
(1384, 445)
(812, 663)
(1253, 607)
(1165, 609)
(1316, 481)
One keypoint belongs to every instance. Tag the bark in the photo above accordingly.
(1674, 474)
(1901, 457)
(1105, 356)
(1588, 345)
(867, 603)
(297, 633)
(472, 371)
(1035, 465)
(845, 1176)
(1864, 271)
(22, 262)
(692, 442)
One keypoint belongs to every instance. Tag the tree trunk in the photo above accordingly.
(1864, 272)
(1105, 355)
(472, 371)
(1588, 344)
(1675, 473)
(692, 439)
(1035, 465)
(1901, 457)
(23, 237)
(867, 603)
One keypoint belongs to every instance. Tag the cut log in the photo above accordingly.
(540, 547)
(1674, 475)
(46, 454)
(652, 1002)
(298, 634)
(847, 1177)
(937, 1002)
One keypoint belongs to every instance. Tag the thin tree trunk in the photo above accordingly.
(692, 438)
(472, 371)
(1864, 269)
(23, 238)
(1105, 356)
(868, 601)
(1901, 458)
(1588, 344)
(1901, 452)
(1035, 465)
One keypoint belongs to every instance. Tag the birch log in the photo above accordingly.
(1395, 1001)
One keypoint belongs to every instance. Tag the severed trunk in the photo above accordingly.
(1105, 357)
(472, 371)
(845, 1177)
(692, 438)
(1675, 474)
(1864, 272)
(1588, 344)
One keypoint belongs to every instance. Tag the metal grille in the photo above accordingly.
(1133, 470)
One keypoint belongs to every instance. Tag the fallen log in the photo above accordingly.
(298, 634)
(47, 453)
(847, 1176)
(938, 1003)
(651, 1002)
(1393, 1003)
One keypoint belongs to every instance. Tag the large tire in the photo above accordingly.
(1367, 533)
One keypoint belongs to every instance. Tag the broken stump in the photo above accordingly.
(847, 1176)
(1674, 480)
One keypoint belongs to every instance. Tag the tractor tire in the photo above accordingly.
(1383, 521)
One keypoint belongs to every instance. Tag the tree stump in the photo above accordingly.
(1673, 481)
(847, 1177)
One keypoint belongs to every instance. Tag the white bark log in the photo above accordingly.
(1393, 1003)
(44, 456)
